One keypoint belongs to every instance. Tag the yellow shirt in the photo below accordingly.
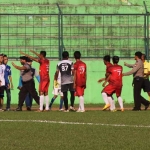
(146, 67)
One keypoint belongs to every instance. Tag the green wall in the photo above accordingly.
(95, 71)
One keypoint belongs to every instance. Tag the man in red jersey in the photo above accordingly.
(114, 76)
(79, 79)
(44, 77)
(106, 60)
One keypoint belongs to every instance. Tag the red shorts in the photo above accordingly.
(110, 89)
(79, 91)
(43, 86)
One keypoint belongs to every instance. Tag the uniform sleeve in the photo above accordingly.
(75, 67)
(135, 68)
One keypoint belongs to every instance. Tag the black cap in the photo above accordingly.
(24, 58)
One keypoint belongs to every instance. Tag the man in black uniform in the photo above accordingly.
(28, 85)
(65, 67)
(138, 80)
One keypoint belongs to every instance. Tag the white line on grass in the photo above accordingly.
(77, 123)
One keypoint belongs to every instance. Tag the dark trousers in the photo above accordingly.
(65, 98)
(28, 100)
(8, 95)
(28, 87)
(138, 99)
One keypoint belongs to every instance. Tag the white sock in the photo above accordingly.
(47, 102)
(120, 101)
(111, 102)
(41, 101)
(105, 98)
(81, 105)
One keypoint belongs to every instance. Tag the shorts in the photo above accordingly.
(146, 85)
(2, 88)
(110, 89)
(67, 87)
(43, 86)
(79, 91)
(57, 91)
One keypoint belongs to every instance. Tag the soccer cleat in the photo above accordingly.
(18, 109)
(122, 109)
(39, 110)
(61, 109)
(66, 110)
(72, 108)
(114, 110)
(1, 110)
(106, 106)
(28, 108)
(146, 107)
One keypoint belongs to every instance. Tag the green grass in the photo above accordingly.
(102, 134)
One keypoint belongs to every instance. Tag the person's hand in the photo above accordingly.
(56, 84)
(100, 80)
(125, 64)
(11, 87)
(104, 84)
(13, 64)
(19, 87)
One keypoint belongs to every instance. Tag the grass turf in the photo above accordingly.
(109, 131)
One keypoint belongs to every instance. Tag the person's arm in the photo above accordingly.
(106, 80)
(129, 65)
(18, 67)
(34, 59)
(34, 52)
(100, 80)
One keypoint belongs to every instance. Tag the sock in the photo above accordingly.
(47, 102)
(51, 103)
(120, 101)
(110, 100)
(41, 101)
(113, 104)
(61, 103)
(104, 95)
(81, 104)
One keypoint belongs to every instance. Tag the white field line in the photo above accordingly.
(77, 123)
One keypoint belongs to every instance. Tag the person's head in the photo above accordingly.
(106, 59)
(5, 59)
(138, 55)
(77, 55)
(29, 61)
(1, 58)
(143, 57)
(42, 54)
(65, 55)
(23, 59)
(115, 59)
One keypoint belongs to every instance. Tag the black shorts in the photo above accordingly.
(67, 87)
(2, 88)
(146, 85)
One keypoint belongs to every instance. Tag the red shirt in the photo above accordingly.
(80, 68)
(116, 75)
(107, 66)
(44, 69)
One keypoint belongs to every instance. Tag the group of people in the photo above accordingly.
(140, 71)
(72, 77)
(68, 77)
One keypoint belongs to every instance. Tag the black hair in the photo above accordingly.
(24, 58)
(138, 54)
(106, 58)
(43, 53)
(144, 56)
(65, 54)
(4, 55)
(77, 55)
(115, 59)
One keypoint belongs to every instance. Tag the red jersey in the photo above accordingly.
(107, 66)
(116, 75)
(80, 68)
(44, 69)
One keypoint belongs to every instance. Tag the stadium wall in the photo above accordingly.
(95, 71)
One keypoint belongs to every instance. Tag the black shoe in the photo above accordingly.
(134, 109)
(18, 109)
(146, 106)
(28, 108)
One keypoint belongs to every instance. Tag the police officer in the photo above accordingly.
(138, 80)
(28, 85)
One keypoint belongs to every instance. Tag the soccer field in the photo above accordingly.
(92, 130)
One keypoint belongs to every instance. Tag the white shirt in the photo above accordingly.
(2, 71)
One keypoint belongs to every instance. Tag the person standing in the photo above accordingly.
(79, 79)
(2, 81)
(114, 76)
(65, 67)
(29, 99)
(56, 92)
(44, 77)
(8, 82)
(138, 74)
(106, 60)
(146, 86)
(28, 85)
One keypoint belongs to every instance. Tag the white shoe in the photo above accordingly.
(1, 110)
(80, 110)
(66, 110)
(61, 109)
(72, 108)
